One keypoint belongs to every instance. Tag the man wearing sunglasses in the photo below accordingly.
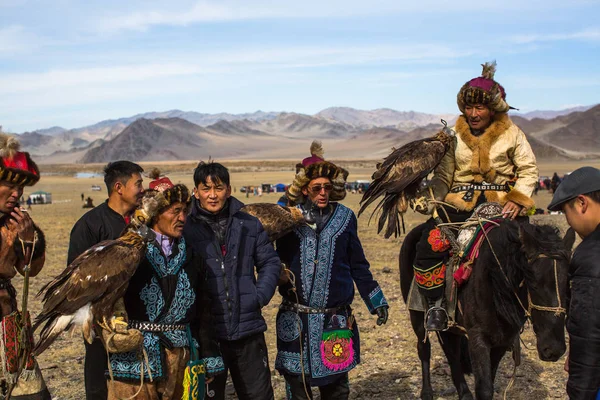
(317, 336)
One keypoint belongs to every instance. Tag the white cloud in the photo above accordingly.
(56, 79)
(592, 34)
(16, 39)
(228, 62)
(206, 11)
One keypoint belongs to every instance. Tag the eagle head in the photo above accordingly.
(152, 202)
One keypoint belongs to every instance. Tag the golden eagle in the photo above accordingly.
(277, 220)
(400, 175)
(85, 293)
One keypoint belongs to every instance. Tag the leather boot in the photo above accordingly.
(436, 318)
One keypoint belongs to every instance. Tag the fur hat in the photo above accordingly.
(316, 167)
(484, 90)
(16, 166)
(157, 199)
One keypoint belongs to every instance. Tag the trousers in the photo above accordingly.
(95, 365)
(247, 360)
(337, 390)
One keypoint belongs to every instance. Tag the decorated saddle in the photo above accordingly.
(470, 238)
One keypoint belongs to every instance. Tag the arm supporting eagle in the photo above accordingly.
(276, 220)
(399, 177)
(85, 293)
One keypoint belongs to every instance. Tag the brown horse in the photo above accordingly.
(522, 270)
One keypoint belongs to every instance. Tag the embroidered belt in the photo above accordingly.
(472, 187)
(155, 327)
(482, 187)
(289, 306)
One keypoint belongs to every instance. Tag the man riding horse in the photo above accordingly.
(489, 161)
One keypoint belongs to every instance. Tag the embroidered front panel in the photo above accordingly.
(308, 254)
(182, 301)
(431, 278)
(376, 299)
(153, 299)
(287, 326)
(159, 263)
(317, 267)
(128, 365)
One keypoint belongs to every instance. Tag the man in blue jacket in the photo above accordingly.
(234, 244)
(578, 196)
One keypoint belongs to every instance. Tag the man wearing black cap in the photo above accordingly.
(578, 196)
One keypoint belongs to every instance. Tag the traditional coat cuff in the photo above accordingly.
(376, 300)
(214, 365)
(520, 198)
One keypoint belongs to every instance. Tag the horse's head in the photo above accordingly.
(546, 280)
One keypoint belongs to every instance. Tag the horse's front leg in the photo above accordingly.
(424, 351)
(479, 351)
(451, 344)
(495, 358)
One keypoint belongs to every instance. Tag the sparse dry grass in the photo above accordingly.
(390, 367)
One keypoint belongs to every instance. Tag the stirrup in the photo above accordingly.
(437, 308)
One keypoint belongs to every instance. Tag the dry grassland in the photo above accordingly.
(390, 368)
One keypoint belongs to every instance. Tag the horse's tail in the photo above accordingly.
(465, 359)
(407, 257)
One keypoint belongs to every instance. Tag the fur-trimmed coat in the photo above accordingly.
(499, 155)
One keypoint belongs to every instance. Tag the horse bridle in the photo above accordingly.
(558, 310)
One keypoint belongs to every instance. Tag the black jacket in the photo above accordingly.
(237, 294)
(100, 223)
(583, 322)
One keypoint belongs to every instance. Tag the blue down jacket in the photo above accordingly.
(237, 294)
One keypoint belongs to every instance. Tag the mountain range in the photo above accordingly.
(345, 132)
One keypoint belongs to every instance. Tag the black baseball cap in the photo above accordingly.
(581, 181)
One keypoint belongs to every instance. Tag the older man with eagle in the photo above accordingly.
(154, 283)
(489, 160)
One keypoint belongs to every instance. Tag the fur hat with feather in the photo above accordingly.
(314, 167)
(484, 90)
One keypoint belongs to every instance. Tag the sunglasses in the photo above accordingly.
(317, 188)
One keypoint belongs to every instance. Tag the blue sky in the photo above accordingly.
(73, 63)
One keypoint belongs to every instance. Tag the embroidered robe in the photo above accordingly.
(168, 291)
(326, 267)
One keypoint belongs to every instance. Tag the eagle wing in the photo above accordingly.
(86, 290)
(397, 179)
(277, 220)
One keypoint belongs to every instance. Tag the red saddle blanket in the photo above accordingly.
(471, 251)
